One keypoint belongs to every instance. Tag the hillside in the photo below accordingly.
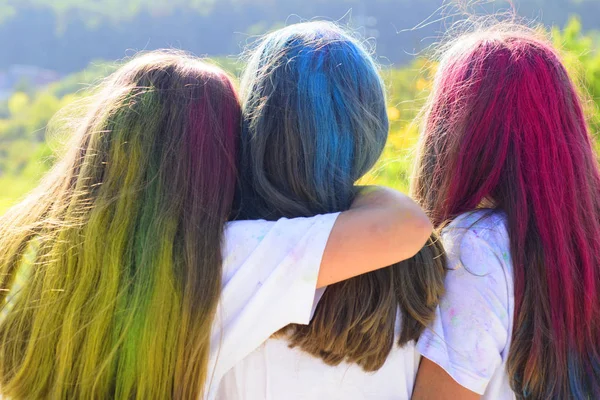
(66, 35)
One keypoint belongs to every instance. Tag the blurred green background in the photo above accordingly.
(52, 51)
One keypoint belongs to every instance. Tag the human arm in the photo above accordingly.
(433, 383)
(382, 227)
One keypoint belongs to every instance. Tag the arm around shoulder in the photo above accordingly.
(382, 227)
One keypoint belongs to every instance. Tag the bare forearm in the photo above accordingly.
(383, 227)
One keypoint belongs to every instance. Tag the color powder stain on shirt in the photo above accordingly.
(454, 319)
(476, 306)
(294, 257)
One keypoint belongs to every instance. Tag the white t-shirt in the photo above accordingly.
(270, 272)
(470, 337)
(276, 372)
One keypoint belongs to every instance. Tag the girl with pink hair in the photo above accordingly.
(507, 169)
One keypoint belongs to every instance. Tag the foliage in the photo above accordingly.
(582, 57)
(26, 150)
(66, 35)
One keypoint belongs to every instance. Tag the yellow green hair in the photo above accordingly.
(122, 241)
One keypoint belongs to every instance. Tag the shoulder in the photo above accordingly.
(488, 225)
(478, 241)
(262, 242)
(252, 232)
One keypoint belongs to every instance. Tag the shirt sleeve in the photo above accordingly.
(471, 327)
(270, 272)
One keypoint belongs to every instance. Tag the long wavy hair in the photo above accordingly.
(314, 122)
(504, 129)
(121, 241)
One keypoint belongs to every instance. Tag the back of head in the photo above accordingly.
(314, 122)
(121, 241)
(505, 130)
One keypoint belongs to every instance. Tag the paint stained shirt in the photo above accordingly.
(470, 337)
(270, 272)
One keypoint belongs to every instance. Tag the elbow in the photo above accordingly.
(423, 225)
(423, 228)
(411, 233)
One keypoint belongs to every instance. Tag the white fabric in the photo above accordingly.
(270, 272)
(470, 336)
(276, 372)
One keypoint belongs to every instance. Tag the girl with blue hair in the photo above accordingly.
(120, 274)
(314, 122)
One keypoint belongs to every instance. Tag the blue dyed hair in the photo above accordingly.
(315, 121)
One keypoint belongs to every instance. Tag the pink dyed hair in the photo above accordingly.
(505, 129)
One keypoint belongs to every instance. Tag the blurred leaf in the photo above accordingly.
(17, 103)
